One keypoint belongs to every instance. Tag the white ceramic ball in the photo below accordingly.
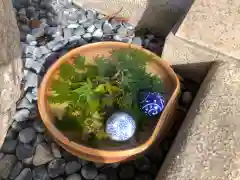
(120, 126)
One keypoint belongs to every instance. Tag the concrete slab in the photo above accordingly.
(208, 143)
(213, 24)
(159, 16)
(191, 60)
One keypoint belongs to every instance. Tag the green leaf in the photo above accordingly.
(101, 135)
(93, 103)
(60, 87)
(67, 71)
(100, 89)
(80, 61)
(107, 101)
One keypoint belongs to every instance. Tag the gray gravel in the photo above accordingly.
(16, 170)
(6, 165)
(24, 151)
(25, 174)
(89, 171)
(39, 126)
(56, 168)
(72, 167)
(40, 173)
(61, 27)
(42, 155)
(27, 135)
(74, 177)
(9, 146)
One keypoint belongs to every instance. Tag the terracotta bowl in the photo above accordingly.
(157, 66)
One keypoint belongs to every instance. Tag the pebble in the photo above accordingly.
(39, 126)
(56, 168)
(73, 26)
(72, 167)
(127, 25)
(146, 42)
(30, 38)
(73, 18)
(100, 16)
(91, 14)
(31, 80)
(87, 23)
(55, 150)
(150, 37)
(33, 43)
(143, 177)
(26, 174)
(59, 46)
(107, 28)
(44, 50)
(97, 34)
(38, 32)
(24, 151)
(89, 171)
(1, 155)
(28, 161)
(68, 157)
(35, 65)
(99, 24)
(115, 24)
(48, 138)
(82, 17)
(11, 134)
(74, 177)
(53, 30)
(111, 172)
(142, 163)
(79, 31)
(137, 41)
(16, 170)
(87, 36)
(67, 33)
(38, 140)
(59, 178)
(30, 11)
(29, 50)
(187, 98)
(27, 135)
(9, 146)
(24, 103)
(42, 155)
(101, 177)
(74, 39)
(16, 126)
(31, 96)
(22, 11)
(91, 29)
(40, 173)
(6, 165)
(22, 36)
(126, 172)
(21, 115)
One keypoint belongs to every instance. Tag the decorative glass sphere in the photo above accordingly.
(151, 103)
(120, 126)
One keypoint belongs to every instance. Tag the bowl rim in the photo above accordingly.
(44, 111)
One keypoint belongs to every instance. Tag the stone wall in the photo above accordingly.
(157, 15)
(10, 66)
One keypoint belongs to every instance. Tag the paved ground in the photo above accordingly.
(48, 30)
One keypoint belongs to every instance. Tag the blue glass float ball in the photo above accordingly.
(120, 126)
(151, 103)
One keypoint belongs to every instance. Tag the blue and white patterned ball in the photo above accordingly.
(120, 126)
(152, 103)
